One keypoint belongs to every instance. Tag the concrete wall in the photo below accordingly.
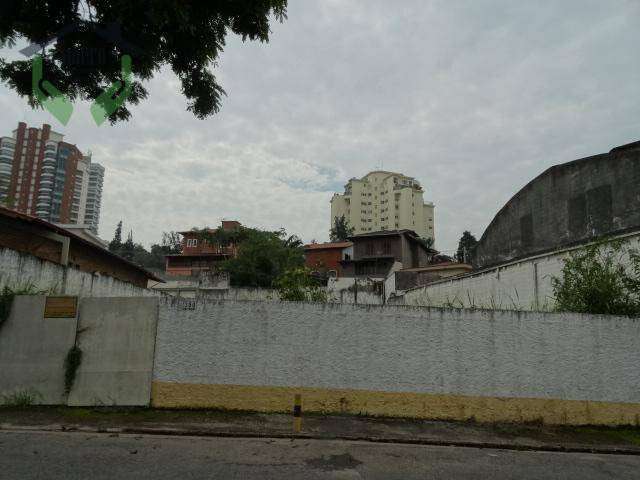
(20, 269)
(117, 339)
(32, 351)
(566, 204)
(521, 285)
(241, 294)
(399, 361)
(344, 290)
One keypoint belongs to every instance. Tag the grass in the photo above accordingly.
(20, 399)
(617, 435)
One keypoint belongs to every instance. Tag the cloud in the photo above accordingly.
(472, 98)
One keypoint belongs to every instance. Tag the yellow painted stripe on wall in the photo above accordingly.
(394, 404)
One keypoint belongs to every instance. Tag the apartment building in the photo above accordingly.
(384, 201)
(44, 176)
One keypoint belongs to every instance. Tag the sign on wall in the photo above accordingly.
(60, 307)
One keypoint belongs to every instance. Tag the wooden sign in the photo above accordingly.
(60, 307)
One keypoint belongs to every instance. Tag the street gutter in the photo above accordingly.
(178, 432)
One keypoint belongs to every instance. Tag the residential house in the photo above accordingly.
(324, 258)
(377, 254)
(199, 254)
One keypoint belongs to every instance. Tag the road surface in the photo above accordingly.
(48, 455)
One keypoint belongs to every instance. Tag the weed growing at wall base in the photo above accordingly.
(23, 398)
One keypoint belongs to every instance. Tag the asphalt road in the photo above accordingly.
(31, 455)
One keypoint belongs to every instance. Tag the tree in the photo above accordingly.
(341, 230)
(596, 280)
(262, 256)
(466, 247)
(186, 36)
(171, 242)
(116, 243)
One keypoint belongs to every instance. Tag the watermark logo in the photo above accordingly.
(60, 105)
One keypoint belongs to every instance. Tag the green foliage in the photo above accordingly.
(341, 229)
(297, 285)
(21, 399)
(136, 253)
(427, 242)
(466, 247)
(595, 280)
(116, 243)
(71, 365)
(6, 298)
(262, 255)
(188, 37)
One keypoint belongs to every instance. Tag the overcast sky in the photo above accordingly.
(473, 98)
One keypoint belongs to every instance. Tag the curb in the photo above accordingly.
(302, 436)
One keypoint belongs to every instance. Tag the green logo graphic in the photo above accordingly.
(61, 107)
(49, 96)
(114, 96)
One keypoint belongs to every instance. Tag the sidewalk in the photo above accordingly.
(240, 424)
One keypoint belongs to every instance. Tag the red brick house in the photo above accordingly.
(198, 253)
(325, 258)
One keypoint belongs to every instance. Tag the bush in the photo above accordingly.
(602, 279)
(297, 285)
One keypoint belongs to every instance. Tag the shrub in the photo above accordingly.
(603, 278)
(297, 285)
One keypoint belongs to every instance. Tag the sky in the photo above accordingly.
(473, 98)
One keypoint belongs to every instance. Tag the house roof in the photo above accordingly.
(327, 245)
(198, 232)
(439, 266)
(410, 234)
(24, 218)
(198, 254)
(385, 233)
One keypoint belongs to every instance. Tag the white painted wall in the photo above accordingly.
(521, 285)
(343, 290)
(32, 351)
(241, 294)
(400, 349)
(117, 339)
(19, 269)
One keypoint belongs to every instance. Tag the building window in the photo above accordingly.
(192, 242)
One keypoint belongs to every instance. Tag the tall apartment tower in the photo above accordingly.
(44, 176)
(384, 201)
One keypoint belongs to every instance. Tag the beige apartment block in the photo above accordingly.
(384, 201)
